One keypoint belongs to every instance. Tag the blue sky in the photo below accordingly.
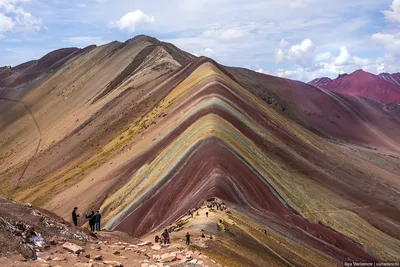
(298, 39)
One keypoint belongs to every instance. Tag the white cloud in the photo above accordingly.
(17, 18)
(27, 21)
(361, 61)
(85, 40)
(325, 64)
(279, 55)
(260, 70)
(344, 57)
(6, 23)
(393, 14)
(301, 54)
(130, 21)
(323, 56)
(226, 34)
(295, 74)
(390, 42)
(208, 52)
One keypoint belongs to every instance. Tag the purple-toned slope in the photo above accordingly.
(26, 72)
(393, 78)
(335, 115)
(383, 87)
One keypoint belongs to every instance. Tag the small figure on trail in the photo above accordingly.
(206, 213)
(202, 233)
(156, 239)
(187, 238)
(92, 220)
(97, 220)
(75, 216)
(165, 236)
(265, 232)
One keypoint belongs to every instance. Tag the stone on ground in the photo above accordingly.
(113, 263)
(144, 244)
(168, 257)
(98, 258)
(156, 247)
(72, 248)
(83, 264)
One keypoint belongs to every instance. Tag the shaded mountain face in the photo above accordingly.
(384, 87)
(144, 132)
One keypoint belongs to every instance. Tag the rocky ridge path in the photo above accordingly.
(108, 252)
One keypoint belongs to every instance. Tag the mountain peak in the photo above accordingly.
(362, 72)
(342, 75)
(143, 37)
(383, 87)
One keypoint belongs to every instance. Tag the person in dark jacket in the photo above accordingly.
(97, 220)
(75, 216)
(188, 239)
(165, 236)
(92, 220)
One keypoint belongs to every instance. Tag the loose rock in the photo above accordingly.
(72, 248)
(83, 264)
(156, 247)
(168, 257)
(144, 244)
(113, 263)
(98, 258)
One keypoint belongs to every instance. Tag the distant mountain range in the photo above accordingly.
(384, 87)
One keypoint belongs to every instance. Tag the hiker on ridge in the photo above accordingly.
(188, 239)
(97, 220)
(75, 216)
(92, 220)
(165, 236)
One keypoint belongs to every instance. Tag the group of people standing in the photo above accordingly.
(218, 206)
(164, 239)
(94, 219)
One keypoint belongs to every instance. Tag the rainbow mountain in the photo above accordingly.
(144, 132)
